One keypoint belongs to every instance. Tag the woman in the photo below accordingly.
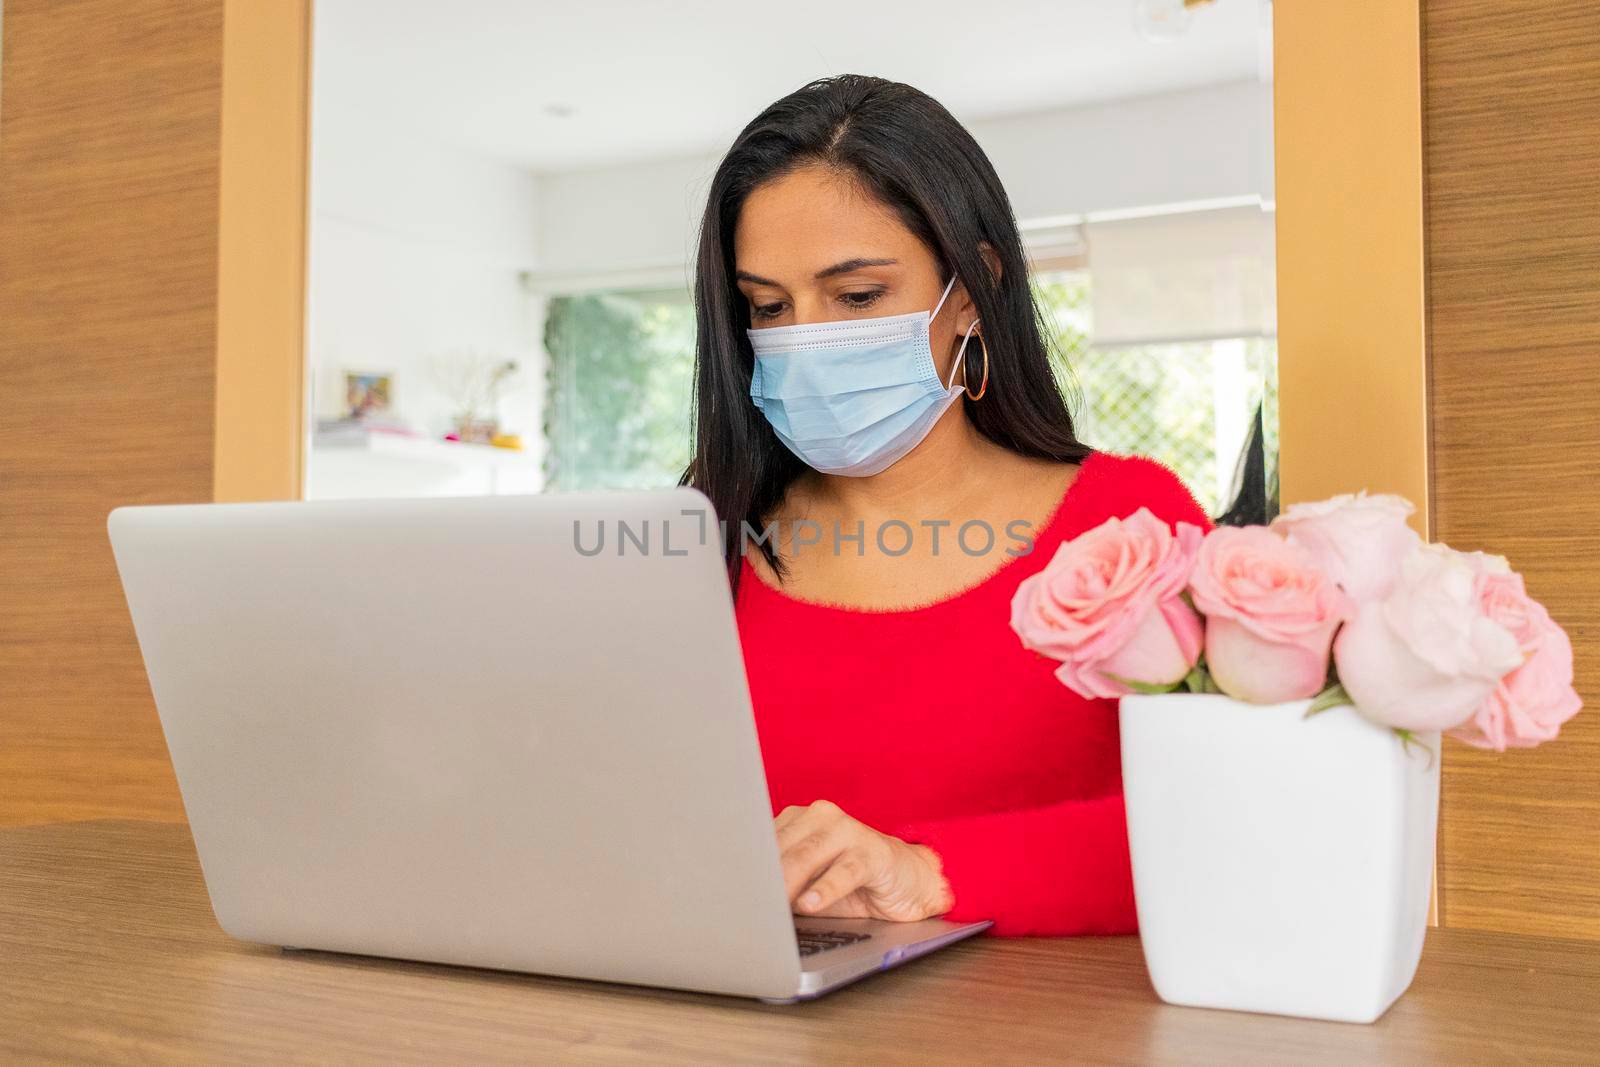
(873, 392)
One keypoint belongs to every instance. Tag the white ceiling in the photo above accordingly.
(670, 78)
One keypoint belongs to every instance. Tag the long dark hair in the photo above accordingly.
(904, 148)
(1255, 492)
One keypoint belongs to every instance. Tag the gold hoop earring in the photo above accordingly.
(966, 384)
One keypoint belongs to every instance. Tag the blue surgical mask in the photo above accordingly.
(852, 397)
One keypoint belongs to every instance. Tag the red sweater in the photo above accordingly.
(937, 726)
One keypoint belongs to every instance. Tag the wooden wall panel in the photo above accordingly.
(1513, 213)
(108, 299)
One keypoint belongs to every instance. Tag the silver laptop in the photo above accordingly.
(507, 732)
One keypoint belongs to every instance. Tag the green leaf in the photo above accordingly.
(1407, 739)
(1331, 697)
(1147, 688)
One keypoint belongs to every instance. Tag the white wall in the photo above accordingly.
(416, 252)
(1178, 148)
(416, 248)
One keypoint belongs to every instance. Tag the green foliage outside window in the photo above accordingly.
(618, 388)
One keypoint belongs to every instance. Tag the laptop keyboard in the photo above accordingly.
(815, 941)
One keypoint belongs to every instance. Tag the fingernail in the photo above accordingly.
(811, 900)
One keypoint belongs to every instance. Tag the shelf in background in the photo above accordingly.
(347, 464)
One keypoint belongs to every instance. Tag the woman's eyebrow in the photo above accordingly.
(827, 272)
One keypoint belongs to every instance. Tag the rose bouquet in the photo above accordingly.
(1339, 601)
(1282, 844)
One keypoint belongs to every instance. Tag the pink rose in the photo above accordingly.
(1359, 540)
(1270, 614)
(1110, 603)
(1530, 703)
(1426, 656)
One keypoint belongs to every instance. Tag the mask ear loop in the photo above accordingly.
(957, 362)
(960, 364)
(951, 284)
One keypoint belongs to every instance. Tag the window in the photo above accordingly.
(1189, 404)
(618, 389)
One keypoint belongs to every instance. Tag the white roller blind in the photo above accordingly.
(1055, 247)
(1184, 277)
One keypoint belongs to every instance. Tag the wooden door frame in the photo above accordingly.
(262, 235)
(1352, 310)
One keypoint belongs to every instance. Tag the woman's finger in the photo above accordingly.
(849, 871)
(795, 823)
(788, 815)
(806, 857)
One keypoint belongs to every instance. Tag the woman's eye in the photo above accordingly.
(853, 301)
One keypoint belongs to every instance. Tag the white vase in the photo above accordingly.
(1280, 864)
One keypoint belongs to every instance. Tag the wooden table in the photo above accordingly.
(108, 952)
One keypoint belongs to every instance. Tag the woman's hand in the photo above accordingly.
(837, 867)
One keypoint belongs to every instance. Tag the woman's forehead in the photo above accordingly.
(803, 223)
